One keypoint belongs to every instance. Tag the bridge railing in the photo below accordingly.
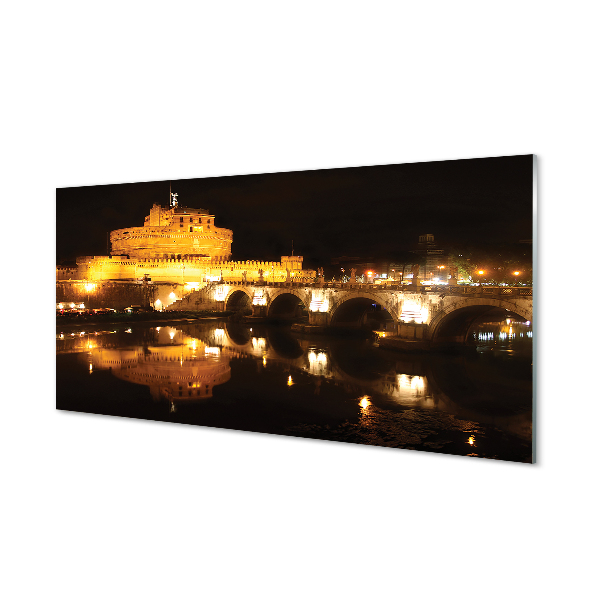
(431, 289)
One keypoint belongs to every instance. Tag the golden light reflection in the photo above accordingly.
(259, 343)
(365, 402)
(264, 361)
(289, 381)
(317, 362)
(471, 441)
(417, 383)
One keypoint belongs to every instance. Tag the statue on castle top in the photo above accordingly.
(353, 275)
(244, 276)
(174, 199)
(287, 275)
(260, 276)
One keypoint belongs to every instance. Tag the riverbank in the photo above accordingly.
(150, 317)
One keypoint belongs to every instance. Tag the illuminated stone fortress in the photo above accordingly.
(178, 250)
(174, 233)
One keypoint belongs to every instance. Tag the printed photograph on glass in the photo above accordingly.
(384, 305)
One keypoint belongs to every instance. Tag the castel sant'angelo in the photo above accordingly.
(178, 250)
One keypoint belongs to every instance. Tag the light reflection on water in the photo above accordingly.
(188, 363)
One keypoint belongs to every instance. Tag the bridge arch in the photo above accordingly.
(452, 323)
(287, 304)
(238, 298)
(352, 307)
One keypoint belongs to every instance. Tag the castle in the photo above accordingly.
(178, 250)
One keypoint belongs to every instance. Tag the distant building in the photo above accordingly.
(433, 260)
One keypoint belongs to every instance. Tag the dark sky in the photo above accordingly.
(360, 211)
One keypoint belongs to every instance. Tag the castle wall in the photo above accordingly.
(103, 268)
(172, 242)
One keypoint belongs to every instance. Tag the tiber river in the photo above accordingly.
(266, 379)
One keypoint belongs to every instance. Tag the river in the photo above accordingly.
(264, 378)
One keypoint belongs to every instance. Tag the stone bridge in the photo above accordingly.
(437, 315)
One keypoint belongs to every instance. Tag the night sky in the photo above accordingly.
(368, 212)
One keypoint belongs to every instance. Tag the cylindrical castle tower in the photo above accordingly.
(174, 233)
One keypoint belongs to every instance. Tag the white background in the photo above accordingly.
(95, 93)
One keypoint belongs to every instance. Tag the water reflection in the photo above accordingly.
(189, 362)
(174, 366)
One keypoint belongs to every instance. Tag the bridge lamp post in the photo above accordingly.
(441, 267)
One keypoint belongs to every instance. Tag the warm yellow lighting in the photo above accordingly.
(441, 267)
(517, 273)
(89, 287)
(259, 299)
(369, 273)
(417, 383)
(471, 441)
(60, 306)
(72, 305)
(212, 351)
(90, 367)
(264, 361)
(364, 402)
(172, 295)
(289, 381)
(259, 343)
(480, 272)
(171, 334)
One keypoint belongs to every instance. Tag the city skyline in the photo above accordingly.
(376, 211)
